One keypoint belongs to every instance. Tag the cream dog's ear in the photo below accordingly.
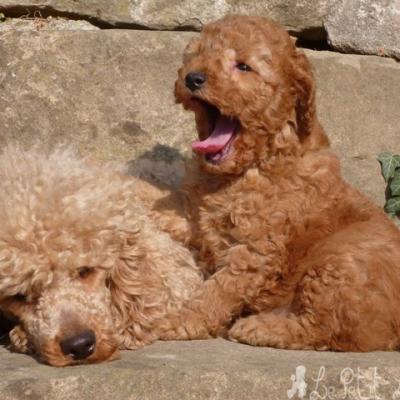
(133, 287)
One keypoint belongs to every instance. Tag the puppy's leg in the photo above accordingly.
(223, 296)
(268, 329)
(205, 315)
(347, 300)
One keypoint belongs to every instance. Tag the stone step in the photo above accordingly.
(206, 370)
(110, 93)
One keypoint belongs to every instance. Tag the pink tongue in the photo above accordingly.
(219, 138)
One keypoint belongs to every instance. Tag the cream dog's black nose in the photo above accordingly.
(79, 346)
(195, 80)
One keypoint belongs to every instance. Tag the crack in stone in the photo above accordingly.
(312, 38)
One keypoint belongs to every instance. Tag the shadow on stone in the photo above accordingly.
(5, 326)
(162, 165)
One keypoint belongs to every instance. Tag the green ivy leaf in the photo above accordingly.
(395, 184)
(389, 163)
(392, 206)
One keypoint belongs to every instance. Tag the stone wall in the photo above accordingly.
(356, 26)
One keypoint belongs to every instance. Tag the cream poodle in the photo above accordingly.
(83, 269)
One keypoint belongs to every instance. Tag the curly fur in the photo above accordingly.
(298, 258)
(78, 251)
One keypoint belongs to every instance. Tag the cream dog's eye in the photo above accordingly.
(84, 272)
(19, 297)
(243, 67)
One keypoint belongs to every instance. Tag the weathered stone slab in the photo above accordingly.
(353, 26)
(297, 15)
(212, 370)
(358, 101)
(110, 93)
(365, 26)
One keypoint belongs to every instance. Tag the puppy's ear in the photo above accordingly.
(305, 87)
(191, 49)
(309, 130)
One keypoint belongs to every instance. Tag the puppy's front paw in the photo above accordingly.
(185, 325)
(244, 330)
(271, 330)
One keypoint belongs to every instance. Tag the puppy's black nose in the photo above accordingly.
(195, 80)
(79, 346)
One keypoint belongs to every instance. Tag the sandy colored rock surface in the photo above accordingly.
(296, 15)
(211, 370)
(365, 26)
(351, 26)
(110, 93)
(358, 101)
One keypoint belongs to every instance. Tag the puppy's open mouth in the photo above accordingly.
(223, 130)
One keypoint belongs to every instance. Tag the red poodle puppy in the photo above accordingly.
(297, 258)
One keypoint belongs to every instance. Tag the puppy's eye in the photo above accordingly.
(243, 67)
(84, 272)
